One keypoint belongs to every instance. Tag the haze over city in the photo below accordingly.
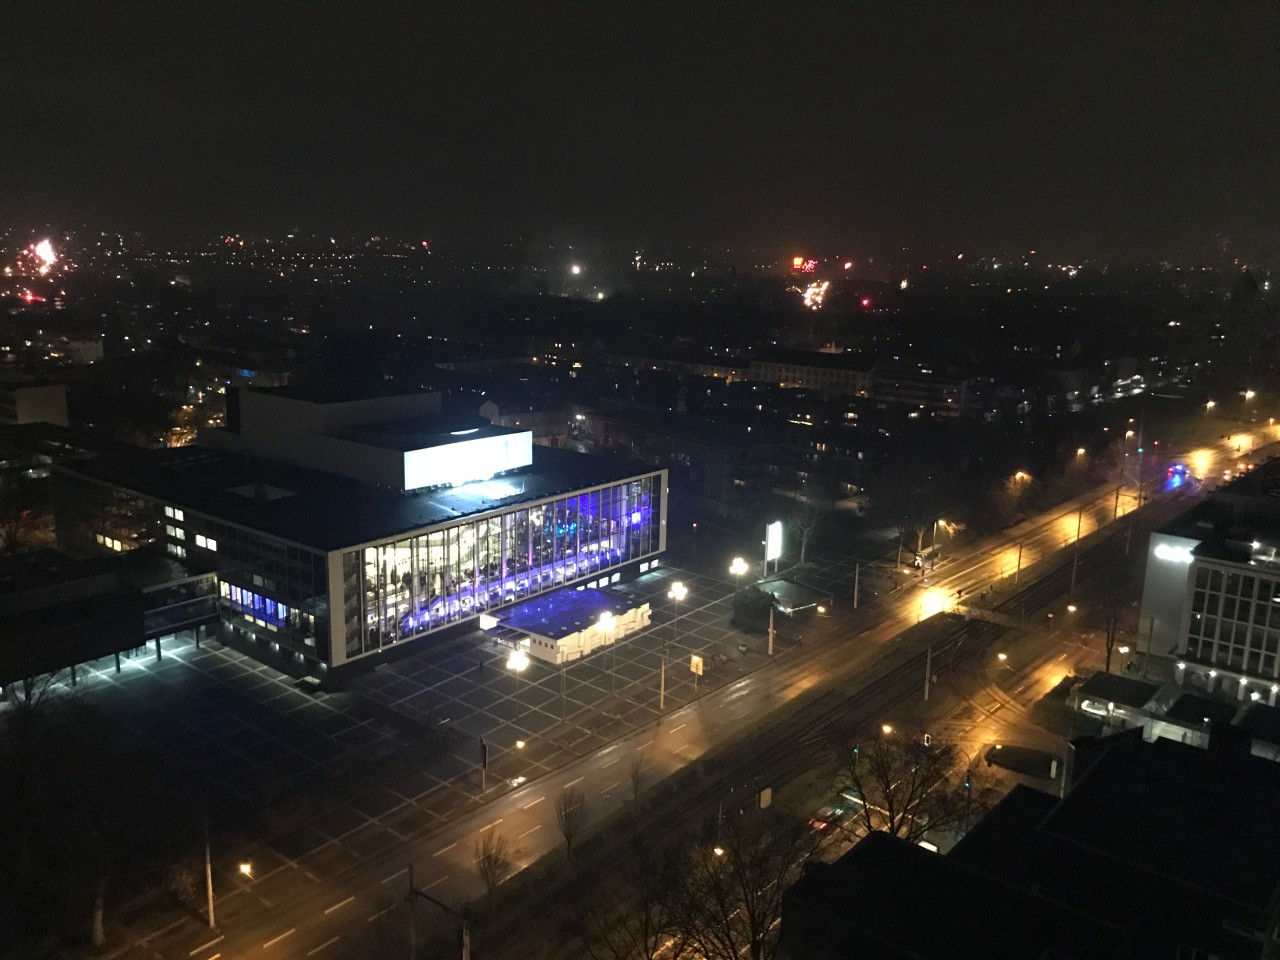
(1100, 130)
(639, 482)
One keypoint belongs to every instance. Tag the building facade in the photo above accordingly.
(1211, 596)
(336, 569)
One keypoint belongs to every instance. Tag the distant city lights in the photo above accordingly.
(848, 264)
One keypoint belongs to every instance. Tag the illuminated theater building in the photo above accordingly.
(340, 524)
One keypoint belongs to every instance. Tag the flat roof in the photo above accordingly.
(328, 512)
(890, 898)
(1202, 818)
(1197, 710)
(420, 433)
(562, 612)
(793, 594)
(338, 392)
(1117, 689)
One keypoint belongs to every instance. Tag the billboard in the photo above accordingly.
(467, 460)
(773, 541)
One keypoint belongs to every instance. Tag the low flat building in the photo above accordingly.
(57, 612)
(569, 624)
(28, 400)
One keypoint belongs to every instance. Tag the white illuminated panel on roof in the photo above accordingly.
(1172, 554)
(467, 460)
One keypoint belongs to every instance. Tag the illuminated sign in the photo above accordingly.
(1166, 551)
(773, 541)
(456, 463)
(797, 263)
(695, 664)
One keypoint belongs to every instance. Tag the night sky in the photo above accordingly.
(1109, 129)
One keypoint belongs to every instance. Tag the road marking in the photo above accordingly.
(206, 946)
(649, 744)
(382, 912)
(529, 831)
(679, 728)
(402, 870)
(445, 849)
(532, 802)
(572, 782)
(327, 943)
(742, 714)
(610, 763)
(276, 940)
(337, 906)
(435, 883)
(611, 786)
(494, 824)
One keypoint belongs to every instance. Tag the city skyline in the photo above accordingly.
(1122, 134)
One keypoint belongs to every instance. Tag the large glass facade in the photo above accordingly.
(1235, 620)
(415, 584)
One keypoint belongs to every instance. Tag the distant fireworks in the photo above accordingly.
(37, 259)
(815, 293)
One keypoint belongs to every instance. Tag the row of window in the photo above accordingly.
(207, 542)
(111, 543)
(177, 533)
(174, 513)
(176, 550)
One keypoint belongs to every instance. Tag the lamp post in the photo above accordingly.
(677, 593)
(516, 663)
(606, 624)
(736, 569)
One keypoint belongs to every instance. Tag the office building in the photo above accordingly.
(341, 523)
(1211, 598)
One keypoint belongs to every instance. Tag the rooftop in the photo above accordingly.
(1201, 711)
(1112, 688)
(329, 512)
(556, 615)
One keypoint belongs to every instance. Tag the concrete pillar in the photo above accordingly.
(1243, 689)
(1271, 696)
(117, 661)
(157, 649)
(1211, 683)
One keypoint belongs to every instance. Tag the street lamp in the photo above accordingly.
(606, 623)
(575, 270)
(737, 568)
(1002, 657)
(1209, 405)
(886, 729)
(1079, 451)
(676, 594)
(516, 663)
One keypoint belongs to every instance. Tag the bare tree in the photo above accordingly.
(908, 785)
(635, 920)
(1111, 609)
(636, 774)
(492, 862)
(804, 525)
(571, 817)
(728, 900)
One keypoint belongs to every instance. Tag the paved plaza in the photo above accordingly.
(313, 782)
